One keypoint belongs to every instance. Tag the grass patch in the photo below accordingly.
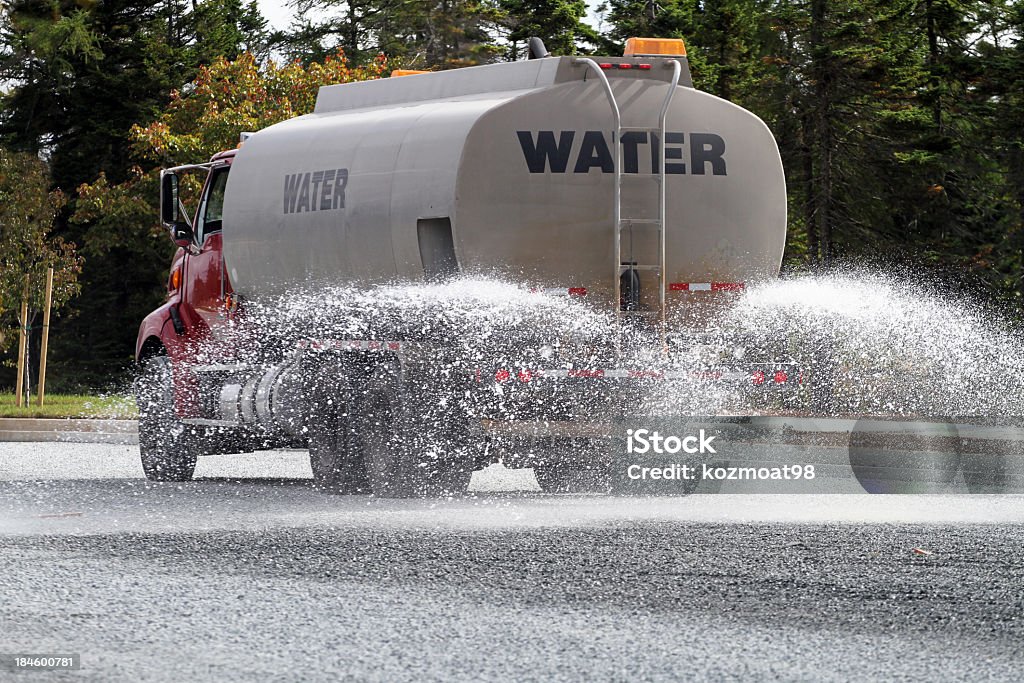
(72, 405)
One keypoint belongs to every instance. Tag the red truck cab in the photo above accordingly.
(198, 288)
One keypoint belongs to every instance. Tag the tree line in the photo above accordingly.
(900, 124)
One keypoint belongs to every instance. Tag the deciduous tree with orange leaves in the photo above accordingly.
(205, 117)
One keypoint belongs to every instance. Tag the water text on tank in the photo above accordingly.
(315, 190)
(544, 150)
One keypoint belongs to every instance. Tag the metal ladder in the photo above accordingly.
(628, 223)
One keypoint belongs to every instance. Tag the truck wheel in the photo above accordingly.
(337, 466)
(923, 458)
(168, 447)
(408, 452)
(365, 437)
(985, 467)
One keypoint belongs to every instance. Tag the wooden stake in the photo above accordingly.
(46, 335)
(22, 340)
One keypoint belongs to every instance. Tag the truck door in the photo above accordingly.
(206, 282)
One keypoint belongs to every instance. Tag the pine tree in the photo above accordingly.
(559, 23)
(422, 34)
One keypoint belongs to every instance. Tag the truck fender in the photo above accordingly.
(159, 325)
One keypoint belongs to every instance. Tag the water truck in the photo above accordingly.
(611, 179)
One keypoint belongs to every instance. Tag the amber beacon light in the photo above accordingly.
(654, 47)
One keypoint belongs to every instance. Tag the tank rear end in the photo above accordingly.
(535, 192)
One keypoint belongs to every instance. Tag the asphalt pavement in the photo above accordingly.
(249, 574)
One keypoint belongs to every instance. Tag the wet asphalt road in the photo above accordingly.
(238, 578)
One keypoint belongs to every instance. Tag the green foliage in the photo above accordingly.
(228, 97)
(118, 407)
(203, 118)
(27, 247)
(557, 22)
(440, 34)
(78, 76)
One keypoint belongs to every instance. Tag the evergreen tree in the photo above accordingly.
(559, 23)
(424, 34)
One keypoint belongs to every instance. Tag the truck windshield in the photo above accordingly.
(212, 209)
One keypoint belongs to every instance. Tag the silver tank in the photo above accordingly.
(516, 159)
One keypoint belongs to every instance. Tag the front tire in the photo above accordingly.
(167, 447)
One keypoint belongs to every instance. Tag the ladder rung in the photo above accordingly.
(638, 129)
(642, 267)
(641, 176)
(639, 314)
(640, 221)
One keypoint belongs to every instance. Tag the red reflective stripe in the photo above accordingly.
(560, 291)
(706, 286)
(758, 377)
(706, 374)
(605, 65)
(643, 66)
(625, 66)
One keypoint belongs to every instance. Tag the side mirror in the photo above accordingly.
(170, 213)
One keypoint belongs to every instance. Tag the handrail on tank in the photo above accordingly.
(677, 70)
(617, 193)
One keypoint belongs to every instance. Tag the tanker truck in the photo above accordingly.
(611, 179)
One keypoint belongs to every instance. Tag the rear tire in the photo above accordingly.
(168, 448)
(368, 436)
(337, 466)
(412, 447)
(916, 460)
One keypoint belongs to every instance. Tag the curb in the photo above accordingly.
(123, 432)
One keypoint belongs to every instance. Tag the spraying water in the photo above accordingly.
(861, 343)
(873, 347)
